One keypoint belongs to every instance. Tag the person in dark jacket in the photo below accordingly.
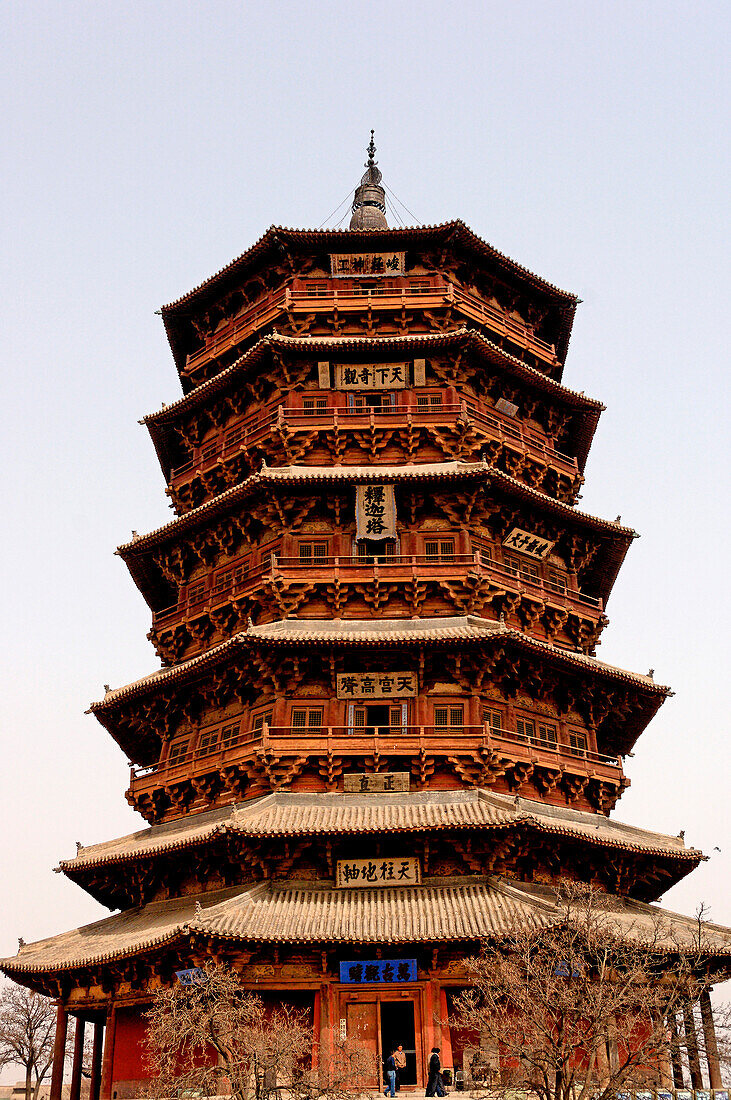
(390, 1089)
(435, 1085)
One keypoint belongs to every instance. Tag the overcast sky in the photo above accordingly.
(147, 144)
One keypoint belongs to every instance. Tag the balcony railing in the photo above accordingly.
(398, 567)
(398, 740)
(438, 295)
(256, 428)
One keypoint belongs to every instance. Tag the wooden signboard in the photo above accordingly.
(367, 263)
(527, 543)
(376, 685)
(375, 512)
(376, 782)
(371, 376)
(379, 871)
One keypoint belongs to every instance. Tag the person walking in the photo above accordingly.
(390, 1089)
(399, 1057)
(435, 1084)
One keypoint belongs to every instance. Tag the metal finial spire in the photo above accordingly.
(371, 153)
(369, 201)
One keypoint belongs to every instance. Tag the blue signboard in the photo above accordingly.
(370, 971)
(191, 977)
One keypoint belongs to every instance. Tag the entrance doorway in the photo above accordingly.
(377, 719)
(398, 1027)
(381, 1023)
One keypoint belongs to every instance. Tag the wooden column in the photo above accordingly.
(59, 1053)
(448, 1058)
(675, 1059)
(96, 1060)
(691, 1042)
(105, 1091)
(612, 1045)
(78, 1063)
(602, 1063)
(664, 1066)
(709, 1035)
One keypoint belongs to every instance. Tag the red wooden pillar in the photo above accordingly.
(59, 1053)
(75, 1092)
(447, 1054)
(691, 1045)
(96, 1060)
(675, 1059)
(105, 1091)
(316, 1029)
(709, 1035)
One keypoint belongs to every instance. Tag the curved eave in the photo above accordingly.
(469, 910)
(101, 875)
(312, 633)
(161, 423)
(137, 553)
(276, 240)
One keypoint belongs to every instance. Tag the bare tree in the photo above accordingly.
(27, 1032)
(214, 1036)
(578, 1007)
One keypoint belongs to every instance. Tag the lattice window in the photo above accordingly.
(230, 734)
(492, 718)
(208, 742)
(313, 405)
(196, 592)
(526, 729)
(306, 718)
(556, 580)
(451, 717)
(428, 400)
(178, 750)
(439, 549)
(547, 735)
(523, 568)
(310, 553)
(577, 743)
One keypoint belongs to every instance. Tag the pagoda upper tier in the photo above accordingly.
(455, 395)
(425, 280)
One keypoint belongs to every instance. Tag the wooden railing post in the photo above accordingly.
(59, 1053)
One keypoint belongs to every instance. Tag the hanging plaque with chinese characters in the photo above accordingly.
(376, 782)
(377, 872)
(362, 972)
(375, 512)
(527, 543)
(371, 376)
(376, 685)
(367, 263)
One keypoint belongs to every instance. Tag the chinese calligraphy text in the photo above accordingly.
(375, 512)
(375, 782)
(376, 685)
(378, 970)
(367, 263)
(527, 543)
(369, 376)
(379, 871)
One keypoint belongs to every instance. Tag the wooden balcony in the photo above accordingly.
(399, 568)
(316, 298)
(256, 429)
(552, 761)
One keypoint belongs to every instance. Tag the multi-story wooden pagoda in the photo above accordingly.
(380, 732)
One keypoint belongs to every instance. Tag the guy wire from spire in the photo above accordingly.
(392, 193)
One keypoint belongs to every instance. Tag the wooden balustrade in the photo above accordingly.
(387, 568)
(394, 740)
(301, 300)
(256, 428)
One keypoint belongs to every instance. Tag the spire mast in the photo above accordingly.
(369, 200)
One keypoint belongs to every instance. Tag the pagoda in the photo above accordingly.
(379, 733)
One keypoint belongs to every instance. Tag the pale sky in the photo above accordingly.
(147, 144)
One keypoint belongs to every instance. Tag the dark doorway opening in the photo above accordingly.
(397, 1026)
(377, 719)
